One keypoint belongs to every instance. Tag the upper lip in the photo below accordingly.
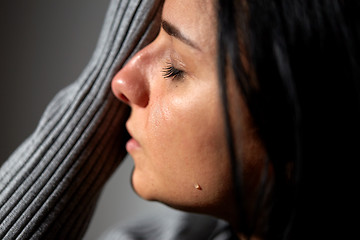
(129, 131)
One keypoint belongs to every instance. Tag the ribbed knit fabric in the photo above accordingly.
(50, 184)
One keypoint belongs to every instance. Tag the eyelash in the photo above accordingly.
(171, 72)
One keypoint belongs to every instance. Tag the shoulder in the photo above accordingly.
(175, 225)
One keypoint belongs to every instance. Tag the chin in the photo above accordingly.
(140, 188)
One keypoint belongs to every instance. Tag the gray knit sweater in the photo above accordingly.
(49, 186)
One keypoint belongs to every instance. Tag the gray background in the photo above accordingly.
(44, 45)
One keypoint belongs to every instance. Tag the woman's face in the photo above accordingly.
(178, 141)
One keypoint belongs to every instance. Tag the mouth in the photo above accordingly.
(132, 144)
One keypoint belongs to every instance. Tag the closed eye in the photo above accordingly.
(171, 72)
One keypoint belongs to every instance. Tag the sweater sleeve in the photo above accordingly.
(49, 186)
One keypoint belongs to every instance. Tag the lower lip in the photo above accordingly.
(132, 145)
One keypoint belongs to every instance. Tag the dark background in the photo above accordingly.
(44, 46)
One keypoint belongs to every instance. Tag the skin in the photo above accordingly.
(178, 140)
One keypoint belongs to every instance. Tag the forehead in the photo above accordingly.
(200, 6)
(194, 18)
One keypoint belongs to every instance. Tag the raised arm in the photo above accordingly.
(50, 184)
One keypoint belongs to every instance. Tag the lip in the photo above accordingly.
(132, 144)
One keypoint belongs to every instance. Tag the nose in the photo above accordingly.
(130, 84)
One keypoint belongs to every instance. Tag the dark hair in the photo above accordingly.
(304, 99)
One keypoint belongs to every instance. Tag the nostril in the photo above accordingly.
(124, 98)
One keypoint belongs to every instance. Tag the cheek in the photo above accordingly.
(185, 131)
(186, 146)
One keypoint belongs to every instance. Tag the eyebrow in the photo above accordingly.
(175, 32)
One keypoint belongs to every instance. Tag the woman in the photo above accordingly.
(283, 61)
(178, 141)
(241, 110)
